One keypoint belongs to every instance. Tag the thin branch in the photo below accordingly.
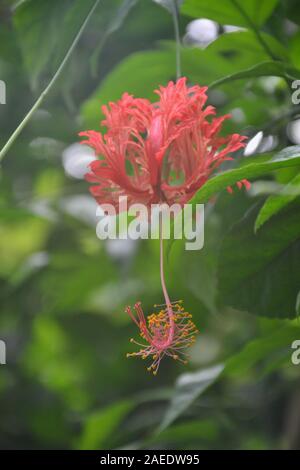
(49, 86)
(256, 30)
(175, 15)
(259, 36)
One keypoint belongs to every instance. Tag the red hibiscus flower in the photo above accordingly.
(154, 153)
(158, 152)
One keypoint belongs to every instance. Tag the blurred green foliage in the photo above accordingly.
(67, 383)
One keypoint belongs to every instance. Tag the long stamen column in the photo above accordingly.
(163, 283)
(167, 332)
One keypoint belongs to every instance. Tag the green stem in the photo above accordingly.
(259, 36)
(163, 282)
(175, 15)
(253, 26)
(48, 87)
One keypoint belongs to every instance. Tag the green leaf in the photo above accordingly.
(288, 157)
(142, 72)
(113, 25)
(267, 68)
(244, 49)
(46, 30)
(277, 202)
(264, 349)
(186, 433)
(102, 424)
(188, 388)
(226, 12)
(138, 74)
(262, 276)
(294, 49)
(292, 11)
(298, 305)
